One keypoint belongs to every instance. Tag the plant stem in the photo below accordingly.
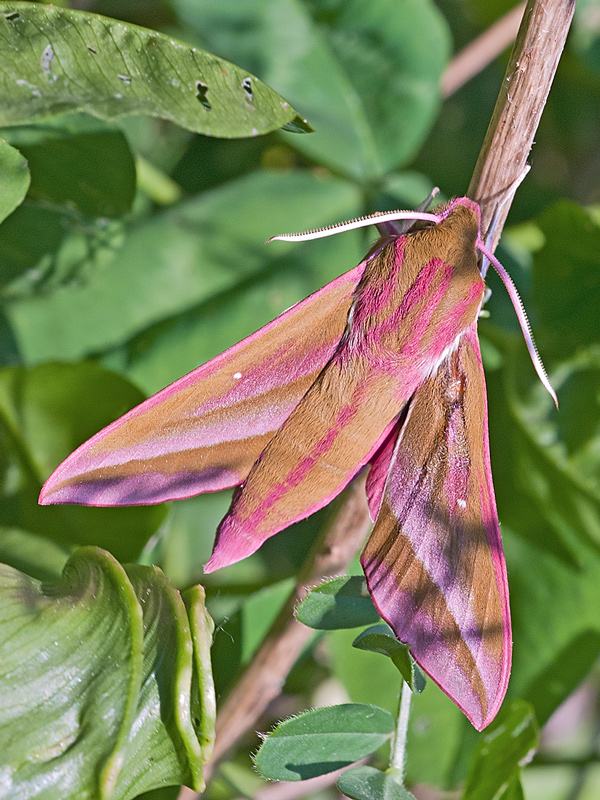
(398, 757)
(519, 106)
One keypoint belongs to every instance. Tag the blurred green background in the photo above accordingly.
(138, 253)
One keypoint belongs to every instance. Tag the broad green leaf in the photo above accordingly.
(514, 790)
(29, 241)
(366, 73)
(556, 629)
(92, 173)
(578, 425)
(57, 60)
(323, 740)
(549, 518)
(540, 494)
(367, 783)
(506, 745)
(166, 793)
(381, 639)
(338, 603)
(14, 179)
(81, 169)
(107, 698)
(177, 259)
(72, 658)
(45, 413)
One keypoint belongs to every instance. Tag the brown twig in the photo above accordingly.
(520, 103)
(264, 678)
(476, 56)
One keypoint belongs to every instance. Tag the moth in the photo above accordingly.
(381, 367)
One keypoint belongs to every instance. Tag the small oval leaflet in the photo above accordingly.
(336, 735)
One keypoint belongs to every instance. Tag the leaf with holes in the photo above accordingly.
(57, 60)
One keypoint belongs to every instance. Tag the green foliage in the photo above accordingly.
(323, 740)
(508, 743)
(133, 250)
(46, 412)
(338, 603)
(381, 639)
(366, 783)
(15, 179)
(383, 62)
(106, 688)
(57, 60)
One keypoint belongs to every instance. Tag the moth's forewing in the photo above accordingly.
(434, 561)
(204, 432)
(416, 296)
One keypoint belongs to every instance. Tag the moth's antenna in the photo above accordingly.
(487, 258)
(360, 222)
(522, 317)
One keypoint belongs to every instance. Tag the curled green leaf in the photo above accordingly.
(100, 687)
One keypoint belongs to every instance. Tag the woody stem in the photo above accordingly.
(519, 106)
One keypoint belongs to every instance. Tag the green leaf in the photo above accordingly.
(436, 725)
(381, 639)
(367, 783)
(539, 492)
(506, 745)
(14, 179)
(170, 739)
(203, 704)
(566, 280)
(366, 73)
(45, 413)
(30, 238)
(72, 657)
(555, 624)
(93, 173)
(338, 603)
(101, 691)
(335, 735)
(58, 60)
(187, 255)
